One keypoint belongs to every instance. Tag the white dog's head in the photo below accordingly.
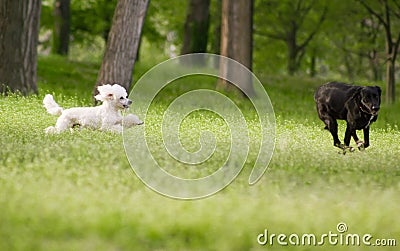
(114, 94)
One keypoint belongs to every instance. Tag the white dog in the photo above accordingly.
(105, 117)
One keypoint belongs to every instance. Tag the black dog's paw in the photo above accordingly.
(346, 149)
(361, 145)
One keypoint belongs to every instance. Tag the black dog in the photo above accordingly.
(358, 105)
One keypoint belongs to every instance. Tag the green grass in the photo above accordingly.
(77, 191)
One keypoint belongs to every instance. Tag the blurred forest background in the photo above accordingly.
(341, 40)
(77, 191)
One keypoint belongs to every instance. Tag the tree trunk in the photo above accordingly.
(237, 39)
(19, 30)
(313, 63)
(291, 43)
(391, 49)
(292, 59)
(390, 82)
(196, 27)
(61, 27)
(122, 43)
(375, 65)
(216, 42)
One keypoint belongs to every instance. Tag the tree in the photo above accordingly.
(163, 26)
(19, 30)
(196, 27)
(61, 28)
(357, 51)
(237, 39)
(215, 37)
(294, 22)
(122, 43)
(385, 12)
(89, 20)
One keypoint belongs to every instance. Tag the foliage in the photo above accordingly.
(164, 25)
(88, 18)
(296, 23)
(349, 44)
(77, 191)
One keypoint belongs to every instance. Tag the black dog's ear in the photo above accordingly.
(357, 93)
(379, 90)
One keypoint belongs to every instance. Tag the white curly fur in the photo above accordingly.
(105, 117)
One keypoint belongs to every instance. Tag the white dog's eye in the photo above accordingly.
(121, 98)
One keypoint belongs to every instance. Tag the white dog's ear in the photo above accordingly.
(101, 97)
(105, 93)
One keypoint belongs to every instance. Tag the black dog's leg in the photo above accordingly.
(366, 137)
(355, 137)
(360, 144)
(347, 136)
(332, 126)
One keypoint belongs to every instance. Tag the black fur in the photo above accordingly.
(357, 105)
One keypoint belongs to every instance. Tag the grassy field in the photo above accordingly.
(78, 192)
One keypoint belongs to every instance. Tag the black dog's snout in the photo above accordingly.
(375, 107)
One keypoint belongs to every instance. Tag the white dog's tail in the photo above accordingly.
(51, 106)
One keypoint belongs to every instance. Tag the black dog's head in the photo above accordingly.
(371, 99)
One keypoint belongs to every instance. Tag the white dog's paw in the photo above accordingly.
(114, 128)
(51, 130)
(131, 120)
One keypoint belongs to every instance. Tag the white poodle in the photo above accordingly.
(105, 117)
